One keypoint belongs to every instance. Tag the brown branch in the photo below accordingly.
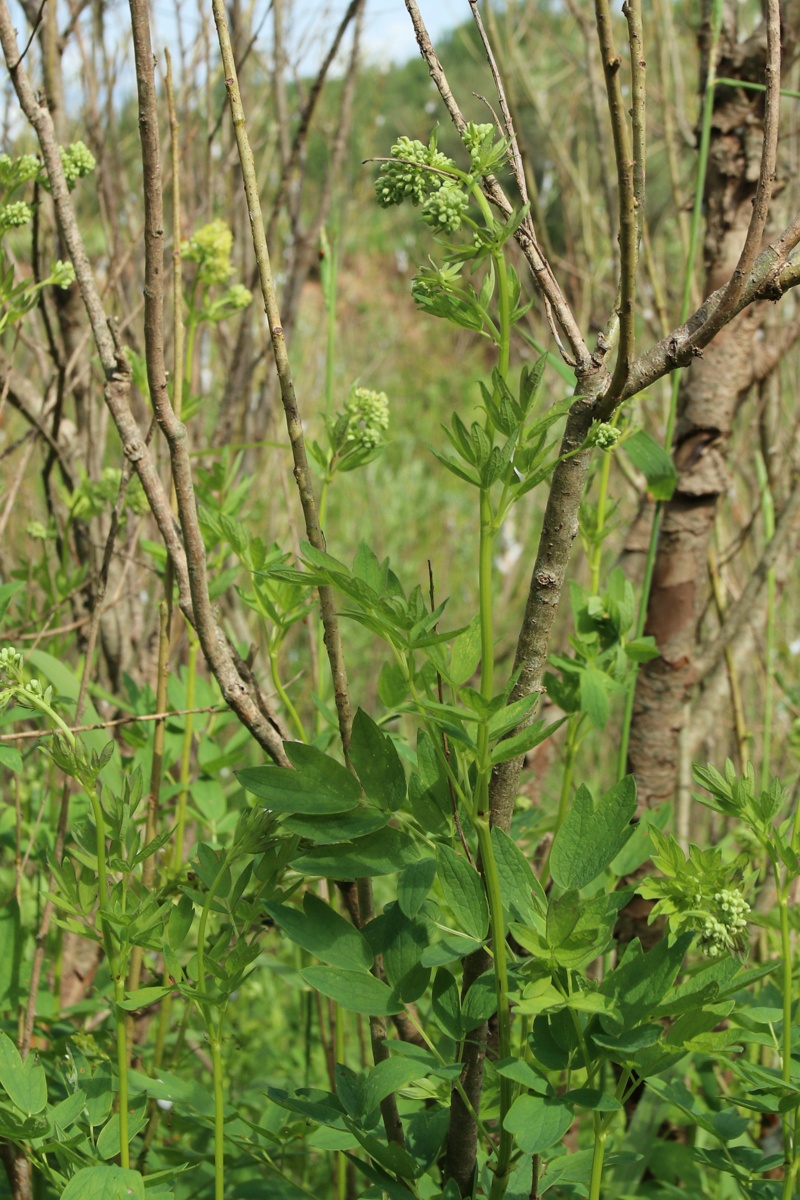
(766, 178)
(738, 614)
(117, 397)
(302, 472)
(28, 734)
(626, 200)
(543, 277)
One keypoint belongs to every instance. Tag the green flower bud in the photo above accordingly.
(15, 214)
(210, 247)
(77, 161)
(444, 209)
(368, 414)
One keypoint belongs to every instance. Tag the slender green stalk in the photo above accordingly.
(214, 1032)
(768, 515)
(499, 952)
(600, 1136)
(341, 1158)
(219, 1113)
(786, 1054)
(122, 1065)
(294, 716)
(596, 555)
(186, 753)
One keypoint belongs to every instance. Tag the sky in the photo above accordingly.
(388, 36)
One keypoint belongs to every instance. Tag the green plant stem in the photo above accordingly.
(768, 515)
(219, 1113)
(596, 556)
(214, 1032)
(600, 1135)
(122, 1065)
(186, 752)
(486, 547)
(786, 983)
(294, 716)
(499, 951)
(341, 1158)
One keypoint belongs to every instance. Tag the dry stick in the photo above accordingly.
(306, 117)
(543, 277)
(34, 734)
(626, 199)
(766, 179)
(738, 614)
(63, 816)
(737, 706)
(215, 648)
(302, 472)
(117, 397)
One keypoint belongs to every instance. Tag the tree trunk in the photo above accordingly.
(713, 388)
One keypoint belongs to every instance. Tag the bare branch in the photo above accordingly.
(628, 231)
(737, 284)
(302, 472)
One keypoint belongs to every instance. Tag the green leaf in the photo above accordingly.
(180, 922)
(11, 940)
(377, 763)
(654, 462)
(466, 653)
(11, 758)
(591, 837)
(25, 1082)
(463, 891)
(414, 884)
(480, 1002)
(527, 740)
(387, 1076)
(380, 853)
(105, 1183)
(7, 592)
(519, 888)
(319, 784)
(108, 1143)
(446, 1004)
(337, 827)
(354, 990)
(143, 997)
(324, 933)
(538, 1122)
(594, 696)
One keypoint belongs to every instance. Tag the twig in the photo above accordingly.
(735, 288)
(628, 234)
(739, 613)
(302, 472)
(28, 734)
(543, 277)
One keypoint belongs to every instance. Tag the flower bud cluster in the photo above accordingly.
(724, 932)
(603, 435)
(414, 174)
(77, 160)
(10, 661)
(444, 209)
(475, 138)
(15, 171)
(369, 418)
(14, 214)
(62, 274)
(210, 247)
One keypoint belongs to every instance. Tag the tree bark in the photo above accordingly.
(711, 393)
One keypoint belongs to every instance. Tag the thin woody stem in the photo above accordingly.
(302, 472)
(628, 231)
